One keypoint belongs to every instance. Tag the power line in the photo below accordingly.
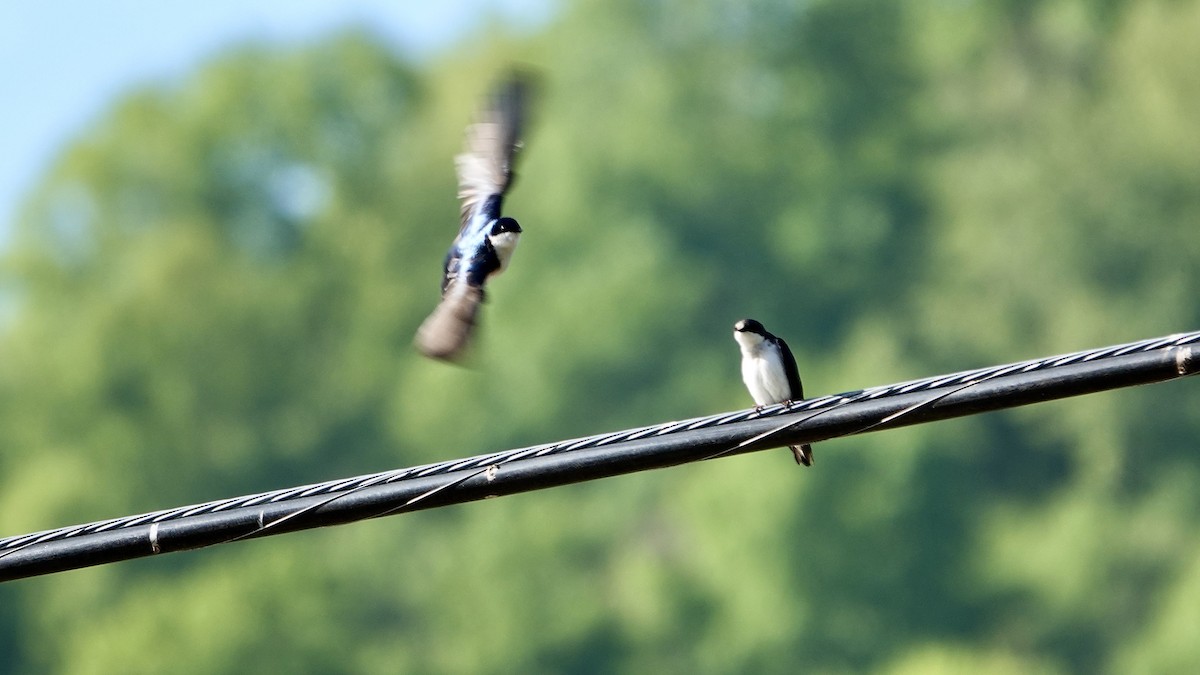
(572, 461)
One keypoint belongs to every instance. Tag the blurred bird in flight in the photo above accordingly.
(486, 239)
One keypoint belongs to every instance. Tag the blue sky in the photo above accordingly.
(65, 61)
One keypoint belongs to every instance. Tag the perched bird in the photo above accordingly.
(770, 373)
(485, 240)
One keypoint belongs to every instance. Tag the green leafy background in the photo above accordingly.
(214, 289)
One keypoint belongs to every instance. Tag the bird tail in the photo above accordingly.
(445, 333)
(803, 453)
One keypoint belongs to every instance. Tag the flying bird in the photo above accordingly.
(486, 239)
(770, 373)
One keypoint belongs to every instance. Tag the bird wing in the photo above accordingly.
(485, 167)
(445, 333)
(802, 453)
(789, 367)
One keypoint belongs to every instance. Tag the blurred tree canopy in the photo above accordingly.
(214, 292)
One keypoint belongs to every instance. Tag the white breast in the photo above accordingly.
(763, 373)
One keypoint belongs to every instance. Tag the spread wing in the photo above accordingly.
(485, 167)
(445, 333)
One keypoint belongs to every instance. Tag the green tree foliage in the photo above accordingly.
(215, 289)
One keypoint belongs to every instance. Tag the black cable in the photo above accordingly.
(609, 454)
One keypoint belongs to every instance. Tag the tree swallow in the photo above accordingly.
(485, 240)
(770, 373)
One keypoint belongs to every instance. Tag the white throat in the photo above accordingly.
(750, 343)
(504, 243)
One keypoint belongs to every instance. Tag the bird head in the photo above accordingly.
(506, 224)
(504, 235)
(749, 326)
(749, 333)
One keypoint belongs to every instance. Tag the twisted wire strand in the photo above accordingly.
(336, 489)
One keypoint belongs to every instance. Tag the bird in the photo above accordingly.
(770, 373)
(486, 239)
